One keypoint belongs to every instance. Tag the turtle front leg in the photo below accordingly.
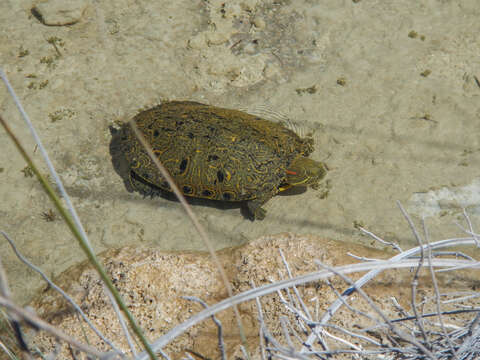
(255, 207)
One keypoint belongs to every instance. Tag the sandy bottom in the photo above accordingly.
(389, 87)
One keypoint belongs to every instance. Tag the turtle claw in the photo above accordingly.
(255, 208)
(259, 214)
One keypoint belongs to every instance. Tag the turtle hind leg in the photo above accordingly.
(255, 207)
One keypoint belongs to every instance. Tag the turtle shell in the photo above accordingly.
(210, 152)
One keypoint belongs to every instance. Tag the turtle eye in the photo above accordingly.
(156, 133)
(187, 190)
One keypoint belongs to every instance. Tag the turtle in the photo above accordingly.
(216, 153)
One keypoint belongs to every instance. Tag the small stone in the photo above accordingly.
(342, 81)
(216, 38)
(198, 41)
(250, 48)
(59, 12)
(259, 23)
(426, 73)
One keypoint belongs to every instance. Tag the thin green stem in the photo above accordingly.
(91, 256)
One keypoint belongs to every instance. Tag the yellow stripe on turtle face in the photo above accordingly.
(285, 187)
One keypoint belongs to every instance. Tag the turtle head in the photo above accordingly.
(305, 171)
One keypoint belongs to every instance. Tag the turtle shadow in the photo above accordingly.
(218, 204)
(119, 162)
(121, 167)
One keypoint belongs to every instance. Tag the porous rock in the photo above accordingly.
(153, 284)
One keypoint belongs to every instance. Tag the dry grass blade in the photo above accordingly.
(69, 217)
(221, 343)
(392, 327)
(434, 334)
(437, 299)
(302, 279)
(40, 324)
(196, 223)
(60, 291)
(13, 318)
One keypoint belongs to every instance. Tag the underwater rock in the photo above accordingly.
(59, 12)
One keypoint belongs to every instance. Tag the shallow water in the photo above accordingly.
(353, 72)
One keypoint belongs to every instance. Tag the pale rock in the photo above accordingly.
(59, 12)
(153, 284)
